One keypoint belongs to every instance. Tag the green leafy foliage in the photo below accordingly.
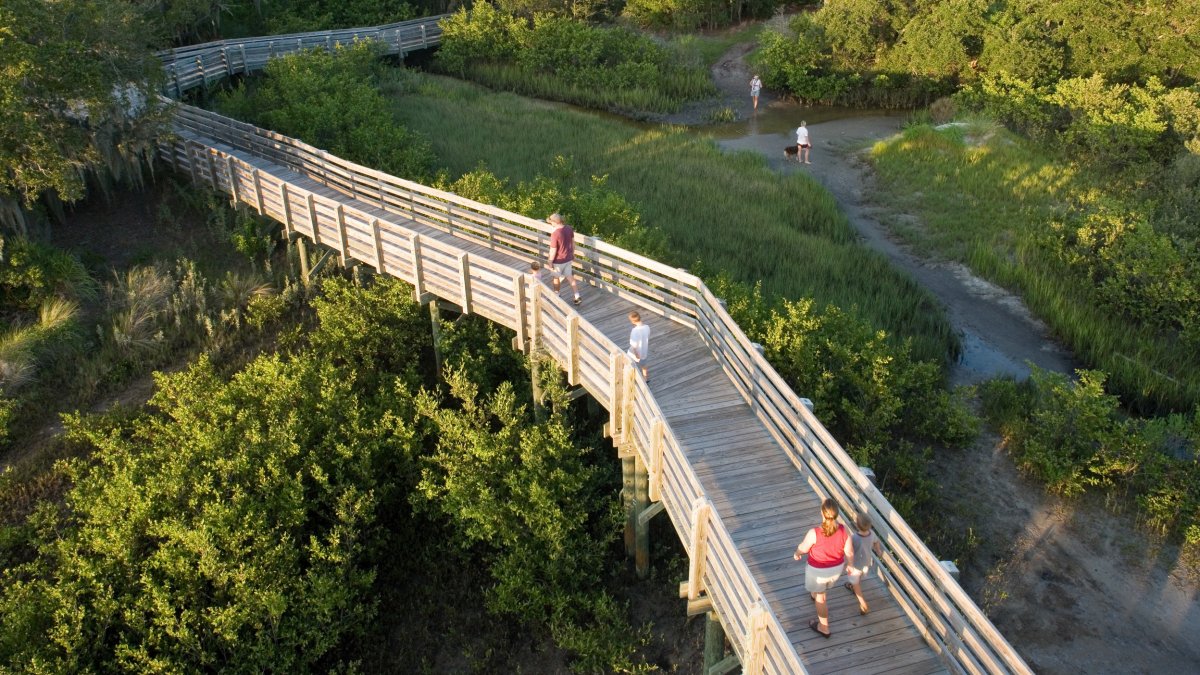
(880, 52)
(77, 91)
(564, 59)
(1072, 435)
(688, 15)
(356, 124)
(526, 497)
(234, 526)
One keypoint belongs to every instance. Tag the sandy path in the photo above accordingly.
(1073, 587)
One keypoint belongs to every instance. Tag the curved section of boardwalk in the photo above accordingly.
(735, 460)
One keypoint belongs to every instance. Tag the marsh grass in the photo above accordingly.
(720, 212)
(989, 199)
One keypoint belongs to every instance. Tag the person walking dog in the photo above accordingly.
(802, 142)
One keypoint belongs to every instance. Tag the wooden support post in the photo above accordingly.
(418, 278)
(231, 167)
(628, 488)
(435, 319)
(522, 318)
(573, 350)
(258, 195)
(378, 245)
(714, 641)
(464, 282)
(326, 255)
(641, 500)
(225, 58)
(245, 65)
(302, 253)
(312, 219)
(341, 224)
(701, 508)
(287, 212)
(657, 430)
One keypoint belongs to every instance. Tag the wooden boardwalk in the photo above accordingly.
(734, 459)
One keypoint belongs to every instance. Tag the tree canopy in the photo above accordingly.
(77, 89)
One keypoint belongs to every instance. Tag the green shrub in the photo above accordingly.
(567, 60)
(293, 98)
(1073, 436)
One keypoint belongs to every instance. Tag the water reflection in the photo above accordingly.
(781, 117)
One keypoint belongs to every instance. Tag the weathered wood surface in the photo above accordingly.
(737, 462)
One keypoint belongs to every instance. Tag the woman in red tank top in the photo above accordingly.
(829, 549)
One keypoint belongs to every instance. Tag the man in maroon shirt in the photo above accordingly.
(562, 253)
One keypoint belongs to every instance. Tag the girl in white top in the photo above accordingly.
(639, 343)
(864, 543)
(755, 87)
(802, 142)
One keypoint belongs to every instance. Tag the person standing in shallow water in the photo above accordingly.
(802, 142)
(829, 550)
(755, 88)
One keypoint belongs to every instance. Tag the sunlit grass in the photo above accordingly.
(719, 211)
(988, 199)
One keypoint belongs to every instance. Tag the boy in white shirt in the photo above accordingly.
(639, 343)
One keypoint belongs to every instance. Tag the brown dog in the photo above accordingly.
(791, 152)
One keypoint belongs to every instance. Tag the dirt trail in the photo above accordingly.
(1073, 587)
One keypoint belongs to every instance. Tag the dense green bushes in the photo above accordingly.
(895, 54)
(566, 60)
(332, 100)
(1072, 435)
(688, 15)
(243, 524)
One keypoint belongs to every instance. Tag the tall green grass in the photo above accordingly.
(991, 200)
(720, 212)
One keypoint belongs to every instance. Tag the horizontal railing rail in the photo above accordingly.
(949, 621)
(204, 64)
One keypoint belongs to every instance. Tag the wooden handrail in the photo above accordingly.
(942, 611)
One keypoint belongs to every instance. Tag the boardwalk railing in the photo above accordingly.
(203, 64)
(368, 226)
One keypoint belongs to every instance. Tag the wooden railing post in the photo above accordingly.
(701, 508)
(464, 270)
(258, 195)
(418, 277)
(657, 429)
(312, 219)
(287, 210)
(755, 640)
(342, 242)
(573, 350)
(522, 320)
(378, 238)
(231, 166)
